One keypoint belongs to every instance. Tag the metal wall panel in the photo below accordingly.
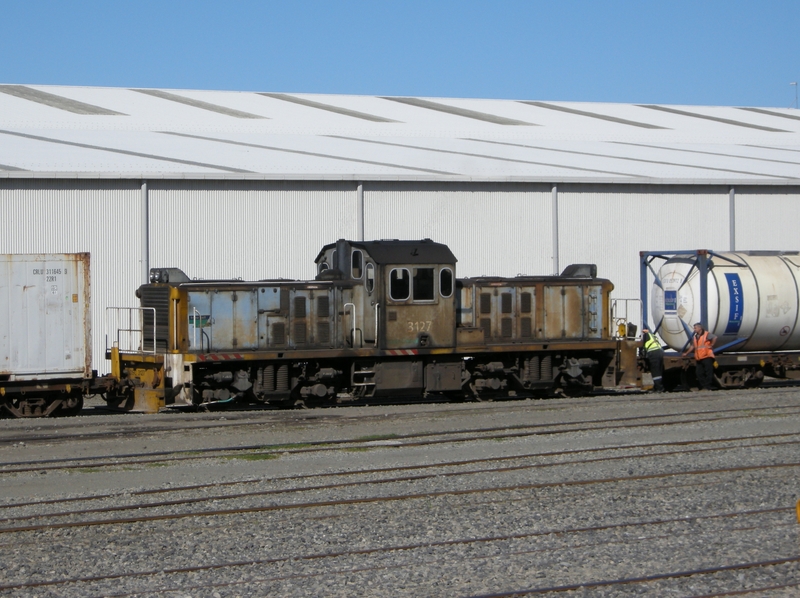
(247, 229)
(768, 219)
(500, 229)
(609, 226)
(270, 229)
(72, 216)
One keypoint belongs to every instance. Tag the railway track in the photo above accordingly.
(574, 535)
(445, 543)
(416, 439)
(370, 499)
(407, 478)
(695, 501)
(646, 580)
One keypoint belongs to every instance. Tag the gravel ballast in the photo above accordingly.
(665, 495)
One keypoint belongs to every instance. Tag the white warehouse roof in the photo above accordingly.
(58, 131)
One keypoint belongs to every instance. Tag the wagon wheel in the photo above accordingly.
(71, 407)
(689, 380)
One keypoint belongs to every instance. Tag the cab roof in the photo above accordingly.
(394, 251)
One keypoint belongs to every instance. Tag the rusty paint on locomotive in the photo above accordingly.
(381, 317)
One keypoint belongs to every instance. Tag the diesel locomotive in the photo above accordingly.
(382, 320)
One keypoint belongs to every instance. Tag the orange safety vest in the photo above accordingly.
(702, 346)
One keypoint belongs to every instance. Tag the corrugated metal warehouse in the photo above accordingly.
(251, 185)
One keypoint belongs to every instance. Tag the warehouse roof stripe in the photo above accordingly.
(61, 131)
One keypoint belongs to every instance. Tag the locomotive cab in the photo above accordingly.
(407, 296)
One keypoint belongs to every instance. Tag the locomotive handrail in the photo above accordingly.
(353, 316)
(377, 305)
(193, 320)
(129, 329)
(621, 318)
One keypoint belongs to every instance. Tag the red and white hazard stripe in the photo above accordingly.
(221, 357)
(403, 352)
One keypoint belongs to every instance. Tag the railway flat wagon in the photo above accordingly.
(45, 333)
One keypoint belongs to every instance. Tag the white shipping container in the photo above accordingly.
(45, 317)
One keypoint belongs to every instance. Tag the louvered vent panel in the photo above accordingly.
(505, 303)
(158, 298)
(323, 307)
(300, 333)
(486, 303)
(299, 307)
(285, 301)
(506, 327)
(323, 333)
(526, 303)
(525, 329)
(278, 335)
(393, 316)
(486, 324)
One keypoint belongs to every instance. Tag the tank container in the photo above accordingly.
(752, 300)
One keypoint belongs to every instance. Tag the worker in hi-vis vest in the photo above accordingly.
(655, 357)
(703, 349)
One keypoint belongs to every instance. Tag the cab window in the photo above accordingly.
(399, 284)
(445, 282)
(424, 284)
(357, 261)
(369, 279)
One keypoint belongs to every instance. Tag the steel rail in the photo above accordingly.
(331, 445)
(428, 561)
(331, 414)
(410, 478)
(401, 547)
(749, 591)
(395, 498)
(442, 464)
(641, 579)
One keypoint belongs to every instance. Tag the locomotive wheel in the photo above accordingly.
(71, 407)
(672, 380)
(689, 380)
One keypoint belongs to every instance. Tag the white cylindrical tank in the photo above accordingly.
(752, 298)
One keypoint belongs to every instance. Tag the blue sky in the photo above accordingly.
(710, 52)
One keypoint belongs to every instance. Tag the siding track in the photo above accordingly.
(614, 499)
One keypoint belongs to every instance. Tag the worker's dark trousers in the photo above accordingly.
(656, 360)
(705, 373)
